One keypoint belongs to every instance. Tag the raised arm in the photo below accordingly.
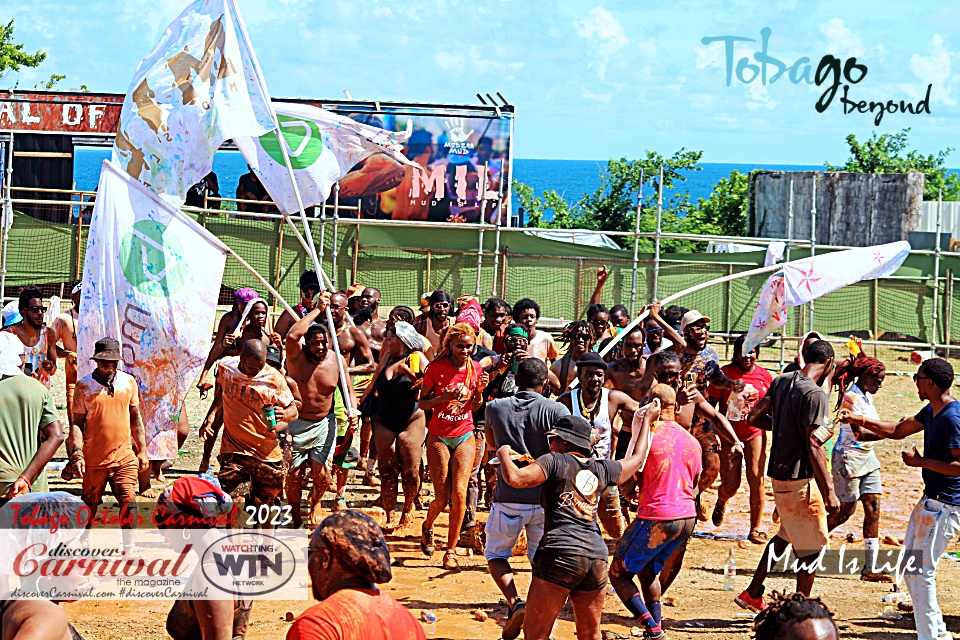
(669, 332)
(598, 290)
(299, 328)
(639, 442)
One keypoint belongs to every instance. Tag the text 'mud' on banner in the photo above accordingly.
(801, 281)
(322, 147)
(151, 281)
(200, 86)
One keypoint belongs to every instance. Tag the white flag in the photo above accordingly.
(801, 281)
(151, 281)
(322, 147)
(200, 86)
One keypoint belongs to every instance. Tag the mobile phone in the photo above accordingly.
(28, 368)
(691, 378)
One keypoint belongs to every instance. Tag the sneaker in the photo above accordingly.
(650, 635)
(717, 516)
(450, 561)
(426, 541)
(514, 623)
(746, 601)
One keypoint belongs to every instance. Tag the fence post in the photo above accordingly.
(636, 247)
(656, 240)
(813, 234)
(787, 259)
(6, 221)
(479, 263)
(79, 266)
(576, 304)
(936, 274)
(356, 252)
(503, 275)
(429, 256)
(948, 293)
(276, 272)
(496, 259)
(726, 326)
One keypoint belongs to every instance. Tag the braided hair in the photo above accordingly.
(787, 609)
(853, 369)
(573, 328)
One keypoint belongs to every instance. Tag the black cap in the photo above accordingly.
(591, 359)
(574, 430)
(308, 280)
(106, 349)
(274, 357)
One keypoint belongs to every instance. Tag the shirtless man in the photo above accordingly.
(229, 321)
(600, 406)
(360, 365)
(232, 345)
(579, 339)
(693, 406)
(309, 288)
(376, 328)
(313, 366)
(627, 375)
(65, 332)
(39, 341)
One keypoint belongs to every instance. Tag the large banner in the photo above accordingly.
(459, 173)
(151, 280)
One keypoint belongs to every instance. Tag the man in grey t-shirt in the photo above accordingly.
(522, 422)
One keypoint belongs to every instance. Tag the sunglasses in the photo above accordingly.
(657, 330)
(37, 309)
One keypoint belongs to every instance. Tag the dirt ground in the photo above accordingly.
(703, 611)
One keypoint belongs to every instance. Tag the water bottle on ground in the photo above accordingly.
(210, 477)
(430, 623)
(730, 572)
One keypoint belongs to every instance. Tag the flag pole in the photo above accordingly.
(308, 245)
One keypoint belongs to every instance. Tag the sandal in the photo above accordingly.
(450, 560)
(758, 537)
(426, 541)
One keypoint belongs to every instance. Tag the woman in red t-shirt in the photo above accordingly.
(756, 381)
(452, 388)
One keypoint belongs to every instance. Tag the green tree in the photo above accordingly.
(725, 211)
(888, 153)
(12, 55)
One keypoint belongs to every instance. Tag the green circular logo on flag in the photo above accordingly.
(304, 143)
(152, 263)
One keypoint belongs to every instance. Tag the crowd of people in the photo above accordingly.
(561, 445)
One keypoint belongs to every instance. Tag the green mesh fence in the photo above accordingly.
(899, 309)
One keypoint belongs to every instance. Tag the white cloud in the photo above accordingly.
(932, 69)
(759, 97)
(446, 61)
(605, 35)
(709, 56)
(840, 39)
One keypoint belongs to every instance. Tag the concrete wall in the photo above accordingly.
(853, 209)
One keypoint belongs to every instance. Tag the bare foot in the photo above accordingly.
(147, 493)
(316, 515)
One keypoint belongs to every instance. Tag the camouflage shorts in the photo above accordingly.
(242, 475)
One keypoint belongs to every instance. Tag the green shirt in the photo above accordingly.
(26, 407)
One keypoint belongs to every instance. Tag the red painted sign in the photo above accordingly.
(57, 112)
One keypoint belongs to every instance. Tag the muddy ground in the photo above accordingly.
(703, 610)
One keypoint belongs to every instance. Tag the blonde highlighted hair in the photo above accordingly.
(455, 331)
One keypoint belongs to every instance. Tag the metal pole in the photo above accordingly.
(356, 252)
(78, 269)
(479, 263)
(335, 249)
(503, 276)
(636, 247)
(948, 292)
(787, 259)
(276, 276)
(429, 260)
(6, 221)
(876, 312)
(496, 250)
(323, 222)
(656, 240)
(813, 234)
(936, 274)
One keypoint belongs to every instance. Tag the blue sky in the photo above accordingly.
(589, 80)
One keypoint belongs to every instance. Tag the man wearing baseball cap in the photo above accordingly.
(30, 430)
(571, 560)
(600, 406)
(699, 359)
(104, 425)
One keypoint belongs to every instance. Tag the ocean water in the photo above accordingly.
(570, 178)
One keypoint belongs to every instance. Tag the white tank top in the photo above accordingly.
(600, 420)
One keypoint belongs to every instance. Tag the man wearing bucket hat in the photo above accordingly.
(571, 560)
(105, 425)
(27, 412)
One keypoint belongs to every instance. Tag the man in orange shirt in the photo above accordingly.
(347, 558)
(256, 403)
(105, 423)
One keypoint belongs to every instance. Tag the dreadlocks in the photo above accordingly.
(573, 329)
(853, 369)
(784, 610)
(457, 330)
